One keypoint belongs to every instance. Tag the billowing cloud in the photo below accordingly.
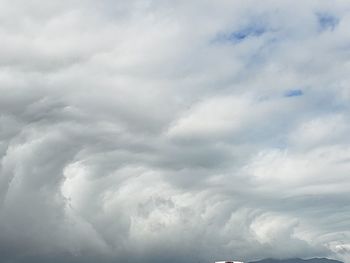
(185, 131)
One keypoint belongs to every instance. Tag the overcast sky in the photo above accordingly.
(185, 130)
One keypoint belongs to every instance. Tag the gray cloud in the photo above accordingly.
(183, 131)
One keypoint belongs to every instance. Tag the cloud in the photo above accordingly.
(160, 130)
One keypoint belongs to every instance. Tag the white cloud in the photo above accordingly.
(161, 130)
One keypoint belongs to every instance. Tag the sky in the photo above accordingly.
(180, 131)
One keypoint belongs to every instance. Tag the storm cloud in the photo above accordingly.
(185, 131)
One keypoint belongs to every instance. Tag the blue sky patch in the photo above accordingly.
(242, 34)
(327, 21)
(246, 32)
(294, 93)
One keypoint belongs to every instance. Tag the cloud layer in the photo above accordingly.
(185, 131)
